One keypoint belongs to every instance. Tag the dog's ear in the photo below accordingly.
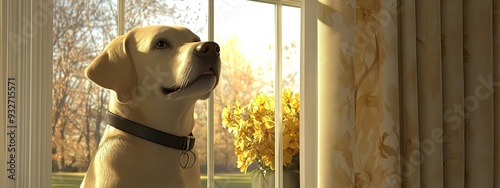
(113, 69)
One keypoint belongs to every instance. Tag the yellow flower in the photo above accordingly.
(253, 128)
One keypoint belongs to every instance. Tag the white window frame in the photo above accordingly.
(26, 54)
(309, 95)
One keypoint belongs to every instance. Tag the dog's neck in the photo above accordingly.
(177, 121)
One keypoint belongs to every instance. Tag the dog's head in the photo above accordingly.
(168, 62)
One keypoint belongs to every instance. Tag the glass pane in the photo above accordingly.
(191, 14)
(246, 32)
(291, 80)
(248, 56)
(291, 48)
(81, 30)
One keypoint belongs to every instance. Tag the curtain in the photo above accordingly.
(409, 93)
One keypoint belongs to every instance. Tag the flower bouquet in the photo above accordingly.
(253, 128)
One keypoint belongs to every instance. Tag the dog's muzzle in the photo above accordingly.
(205, 56)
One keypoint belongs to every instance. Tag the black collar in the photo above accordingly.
(184, 143)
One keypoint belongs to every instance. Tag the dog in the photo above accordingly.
(156, 74)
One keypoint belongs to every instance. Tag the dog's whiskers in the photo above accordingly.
(185, 79)
(187, 76)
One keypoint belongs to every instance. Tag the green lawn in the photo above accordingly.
(67, 180)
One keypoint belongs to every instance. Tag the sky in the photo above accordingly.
(254, 24)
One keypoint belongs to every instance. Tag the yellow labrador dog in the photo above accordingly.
(157, 74)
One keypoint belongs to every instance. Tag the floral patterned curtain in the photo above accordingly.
(409, 93)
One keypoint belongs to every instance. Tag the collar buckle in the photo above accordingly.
(188, 143)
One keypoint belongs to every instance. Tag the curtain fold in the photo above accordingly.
(478, 69)
(336, 111)
(429, 92)
(453, 92)
(409, 93)
(376, 97)
(496, 69)
(409, 99)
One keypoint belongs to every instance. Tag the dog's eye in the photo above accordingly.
(161, 44)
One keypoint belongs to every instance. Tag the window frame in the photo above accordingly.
(309, 95)
(33, 71)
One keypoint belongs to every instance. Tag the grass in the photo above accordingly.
(72, 180)
(66, 179)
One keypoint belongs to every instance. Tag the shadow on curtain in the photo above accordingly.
(409, 93)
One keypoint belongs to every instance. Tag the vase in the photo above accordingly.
(290, 180)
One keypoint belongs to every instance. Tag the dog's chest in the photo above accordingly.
(139, 163)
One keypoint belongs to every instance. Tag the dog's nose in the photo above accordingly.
(207, 48)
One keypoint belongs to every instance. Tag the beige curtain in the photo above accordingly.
(409, 93)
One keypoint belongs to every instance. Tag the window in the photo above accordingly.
(248, 32)
(80, 34)
(87, 27)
